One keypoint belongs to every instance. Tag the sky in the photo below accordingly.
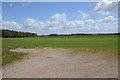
(61, 17)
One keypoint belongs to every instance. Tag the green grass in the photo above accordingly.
(9, 57)
(63, 41)
(94, 41)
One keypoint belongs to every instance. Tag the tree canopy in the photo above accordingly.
(11, 33)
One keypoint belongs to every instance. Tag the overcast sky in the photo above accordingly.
(61, 17)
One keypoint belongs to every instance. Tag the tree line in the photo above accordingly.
(80, 34)
(6, 33)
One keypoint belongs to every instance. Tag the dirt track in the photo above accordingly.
(58, 63)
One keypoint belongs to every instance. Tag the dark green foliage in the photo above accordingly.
(11, 34)
(53, 35)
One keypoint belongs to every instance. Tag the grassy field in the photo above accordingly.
(94, 41)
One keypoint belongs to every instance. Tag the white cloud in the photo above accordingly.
(59, 17)
(0, 17)
(82, 15)
(104, 7)
(0, 21)
(108, 19)
(11, 25)
(60, 24)
(32, 23)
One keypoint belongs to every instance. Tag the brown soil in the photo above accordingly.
(58, 63)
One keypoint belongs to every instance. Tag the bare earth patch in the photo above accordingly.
(60, 63)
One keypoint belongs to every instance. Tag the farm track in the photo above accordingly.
(60, 63)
